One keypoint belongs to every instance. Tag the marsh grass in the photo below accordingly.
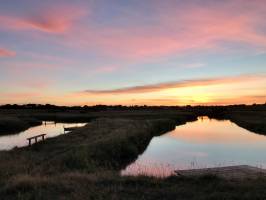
(14, 124)
(106, 143)
(85, 164)
(149, 169)
(107, 185)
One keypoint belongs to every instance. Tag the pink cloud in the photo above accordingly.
(57, 19)
(194, 65)
(175, 31)
(6, 53)
(36, 84)
(107, 69)
(21, 95)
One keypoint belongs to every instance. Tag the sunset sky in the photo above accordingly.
(133, 52)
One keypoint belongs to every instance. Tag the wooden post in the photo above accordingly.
(29, 142)
(36, 140)
(42, 137)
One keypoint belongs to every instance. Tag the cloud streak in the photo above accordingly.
(56, 19)
(6, 53)
(174, 31)
(178, 84)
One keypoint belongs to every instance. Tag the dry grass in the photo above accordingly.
(99, 150)
(110, 186)
(85, 164)
(103, 144)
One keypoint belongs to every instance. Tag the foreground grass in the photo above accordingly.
(109, 185)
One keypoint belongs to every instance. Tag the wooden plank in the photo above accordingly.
(36, 136)
(238, 171)
(70, 128)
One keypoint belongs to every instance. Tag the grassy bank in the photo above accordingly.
(104, 145)
(14, 124)
(252, 120)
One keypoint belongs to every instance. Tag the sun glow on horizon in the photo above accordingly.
(217, 92)
(238, 90)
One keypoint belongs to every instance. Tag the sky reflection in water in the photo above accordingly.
(51, 129)
(203, 143)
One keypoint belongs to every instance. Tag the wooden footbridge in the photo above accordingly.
(35, 138)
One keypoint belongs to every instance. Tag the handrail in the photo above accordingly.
(36, 138)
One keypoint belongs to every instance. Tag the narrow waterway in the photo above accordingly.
(199, 144)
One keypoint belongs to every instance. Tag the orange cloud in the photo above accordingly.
(6, 53)
(107, 69)
(246, 89)
(178, 84)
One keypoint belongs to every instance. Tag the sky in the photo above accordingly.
(134, 52)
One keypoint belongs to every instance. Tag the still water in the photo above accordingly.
(51, 129)
(203, 143)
